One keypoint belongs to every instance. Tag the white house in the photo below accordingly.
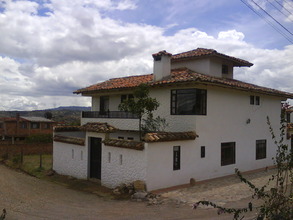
(215, 124)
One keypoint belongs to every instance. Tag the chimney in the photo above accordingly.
(162, 65)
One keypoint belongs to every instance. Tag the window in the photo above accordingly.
(81, 155)
(35, 125)
(288, 117)
(225, 69)
(261, 149)
(130, 138)
(121, 138)
(126, 97)
(109, 157)
(47, 126)
(254, 100)
(104, 105)
(227, 153)
(176, 158)
(202, 151)
(23, 125)
(188, 102)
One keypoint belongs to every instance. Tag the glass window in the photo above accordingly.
(35, 125)
(176, 158)
(202, 151)
(188, 102)
(227, 153)
(261, 149)
(225, 69)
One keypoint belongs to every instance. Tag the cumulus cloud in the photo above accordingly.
(49, 50)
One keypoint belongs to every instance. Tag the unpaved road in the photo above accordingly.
(26, 197)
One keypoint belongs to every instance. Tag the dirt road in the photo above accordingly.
(26, 197)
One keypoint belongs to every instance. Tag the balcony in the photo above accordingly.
(108, 114)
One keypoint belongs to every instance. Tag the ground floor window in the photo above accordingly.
(227, 153)
(261, 149)
(176, 158)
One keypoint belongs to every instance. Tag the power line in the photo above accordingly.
(269, 22)
(283, 6)
(279, 10)
(289, 3)
(272, 17)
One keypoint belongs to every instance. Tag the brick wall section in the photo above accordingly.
(15, 149)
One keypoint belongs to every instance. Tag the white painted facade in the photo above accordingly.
(229, 118)
(70, 159)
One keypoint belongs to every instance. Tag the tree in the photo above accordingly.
(141, 104)
(277, 202)
(48, 115)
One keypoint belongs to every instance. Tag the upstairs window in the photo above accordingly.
(23, 125)
(254, 100)
(126, 97)
(261, 149)
(188, 102)
(288, 119)
(225, 69)
(35, 125)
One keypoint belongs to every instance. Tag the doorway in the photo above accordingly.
(95, 163)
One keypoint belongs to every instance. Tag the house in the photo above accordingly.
(215, 124)
(21, 127)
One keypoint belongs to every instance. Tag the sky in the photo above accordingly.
(50, 48)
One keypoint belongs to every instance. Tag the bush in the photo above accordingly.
(40, 138)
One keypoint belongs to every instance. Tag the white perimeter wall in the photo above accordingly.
(116, 171)
(70, 159)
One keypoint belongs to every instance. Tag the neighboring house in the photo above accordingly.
(216, 123)
(21, 127)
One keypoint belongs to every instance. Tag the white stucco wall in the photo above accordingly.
(131, 168)
(70, 159)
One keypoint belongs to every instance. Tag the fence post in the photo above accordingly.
(21, 154)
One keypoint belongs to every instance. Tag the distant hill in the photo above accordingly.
(69, 115)
(71, 108)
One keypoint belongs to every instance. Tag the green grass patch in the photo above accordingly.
(31, 164)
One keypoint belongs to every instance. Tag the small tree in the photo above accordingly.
(141, 104)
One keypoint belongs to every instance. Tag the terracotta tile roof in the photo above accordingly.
(181, 76)
(169, 136)
(98, 127)
(202, 52)
(135, 145)
(90, 126)
(163, 52)
(69, 140)
(118, 83)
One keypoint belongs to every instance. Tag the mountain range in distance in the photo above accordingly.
(69, 115)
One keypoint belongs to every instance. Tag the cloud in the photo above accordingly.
(49, 50)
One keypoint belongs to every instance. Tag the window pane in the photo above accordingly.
(176, 158)
(257, 100)
(251, 100)
(261, 149)
(188, 102)
(227, 153)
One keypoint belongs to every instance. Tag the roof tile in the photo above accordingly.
(130, 144)
(181, 75)
(201, 52)
(170, 136)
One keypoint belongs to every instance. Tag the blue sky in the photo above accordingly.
(50, 48)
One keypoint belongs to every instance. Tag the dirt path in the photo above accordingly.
(25, 197)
